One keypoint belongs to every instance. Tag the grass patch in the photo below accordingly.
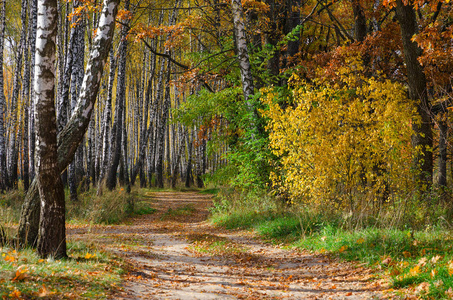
(185, 210)
(212, 191)
(214, 245)
(143, 208)
(421, 260)
(88, 273)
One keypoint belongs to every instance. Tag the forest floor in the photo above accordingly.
(175, 253)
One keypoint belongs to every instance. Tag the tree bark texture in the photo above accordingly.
(13, 145)
(242, 52)
(117, 129)
(72, 134)
(52, 235)
(422, 139)
(4, 182)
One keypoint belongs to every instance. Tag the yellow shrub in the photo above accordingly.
(346, 143)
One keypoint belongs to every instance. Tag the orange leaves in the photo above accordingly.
(343, 248)
(89, 255)
(406, 254)
(16, 294)
(21, 273)
(83, 10)
(8, 257)
(255, 5)
(124, 15)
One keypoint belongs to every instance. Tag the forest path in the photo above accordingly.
(176, 254)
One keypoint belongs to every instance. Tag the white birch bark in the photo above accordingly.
(242, 52)
(52, 237)
(72, 134)
(3, 175)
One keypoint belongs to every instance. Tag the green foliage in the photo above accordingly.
(421, 259)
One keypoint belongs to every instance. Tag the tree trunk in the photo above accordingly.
(117, 130)
(443, 135)
(12, 149)
(52, 235)
(4, 183)
(32, 19)
(242, 53)
(72, 134)
(161, 132)
(107, 119)
(422, 139)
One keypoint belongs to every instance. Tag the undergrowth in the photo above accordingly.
(418, 260)
(88, 273)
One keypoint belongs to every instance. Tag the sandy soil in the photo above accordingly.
(165, 264)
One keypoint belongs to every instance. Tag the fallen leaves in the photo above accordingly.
(21, 273)
(343, 248)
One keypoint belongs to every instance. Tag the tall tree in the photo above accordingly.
(422, 140)
(117, 129)
(13, 142)
(3, 175)
(52, 236)
(72, 134)
(242, 52)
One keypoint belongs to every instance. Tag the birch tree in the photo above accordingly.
(13, 142)
(72, 134)
(242, 52)
(52, 236)
(3, 175)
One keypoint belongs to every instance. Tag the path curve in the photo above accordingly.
(160, 248)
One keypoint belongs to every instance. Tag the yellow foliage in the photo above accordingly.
(341, 142)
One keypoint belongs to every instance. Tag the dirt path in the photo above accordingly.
(176, 254)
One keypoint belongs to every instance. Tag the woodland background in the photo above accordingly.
(329, 113)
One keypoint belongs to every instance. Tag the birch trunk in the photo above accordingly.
(32, 19)
(12, 149)
(242, 53)
(52, 236)
(4, 182)
(107, 119)
(117, 130)
(72, 134)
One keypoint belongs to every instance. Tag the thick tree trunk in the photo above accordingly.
(72, 134)
(422, 139)
(360, 28)
(52, 236)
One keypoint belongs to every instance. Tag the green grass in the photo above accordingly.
(420, 259)
(185, 210)
(87, 273)
(214, 245)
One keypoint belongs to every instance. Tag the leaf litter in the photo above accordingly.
(182, 256)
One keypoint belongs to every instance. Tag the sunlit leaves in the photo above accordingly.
(341, 142)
